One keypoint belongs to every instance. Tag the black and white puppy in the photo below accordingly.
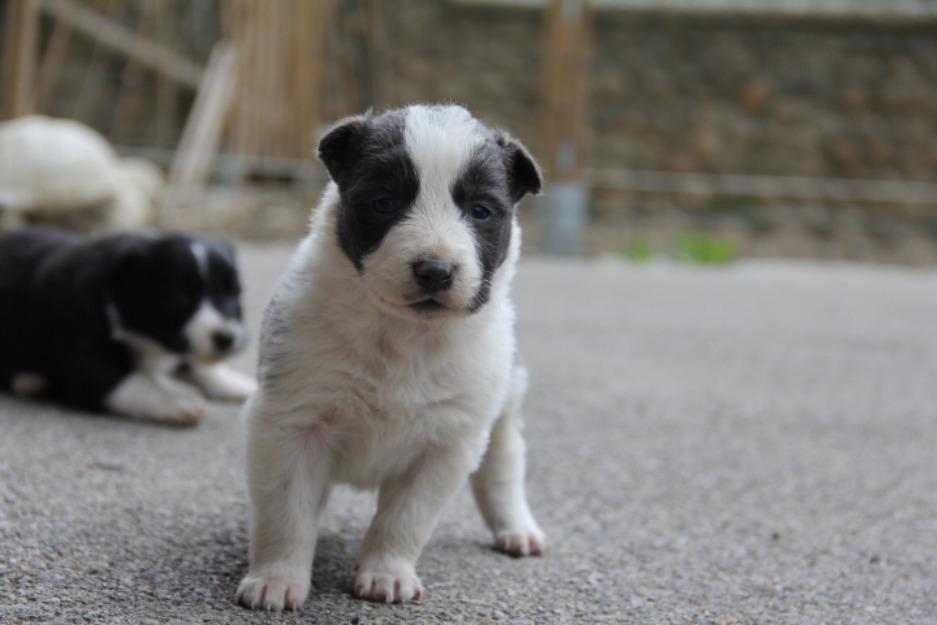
(108, 323)
(388, 353)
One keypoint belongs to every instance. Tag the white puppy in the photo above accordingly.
(388, 353)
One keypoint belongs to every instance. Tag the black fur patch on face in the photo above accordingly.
(157, 288)
(377, 180)
(498, 176)
(483, 190)
(223, 288)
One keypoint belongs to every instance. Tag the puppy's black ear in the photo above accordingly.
(342, 143)
(129, 270)
(222, 246)
(128, 254)
(525, 176)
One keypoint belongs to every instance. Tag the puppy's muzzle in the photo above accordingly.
(433, 276)
(223, 341)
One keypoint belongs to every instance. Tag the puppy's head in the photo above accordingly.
(182, 292)
(427, 205)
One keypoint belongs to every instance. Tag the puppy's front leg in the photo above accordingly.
(220, 381)
(498, 484)
(407, 510)
(157, 397)
(288, 479)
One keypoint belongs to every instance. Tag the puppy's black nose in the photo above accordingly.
(433, 275)
(223, 340)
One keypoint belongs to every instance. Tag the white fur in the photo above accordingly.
(220, 381)
(51, 167)
(202, 326)
(151, 392)
(157, 397)
(357, 388)
(156, 394)
(440, 140)
(201, 258)
(428, 234)
(205, 323)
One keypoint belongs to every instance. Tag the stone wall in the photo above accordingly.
(689, 92)
(675, 90)
(746, 92)
(794, 99)
(677, 86)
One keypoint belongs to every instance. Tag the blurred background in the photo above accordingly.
(704, 130)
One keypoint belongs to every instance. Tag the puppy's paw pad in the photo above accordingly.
(272, 594)
(522, 542)
(389, 586)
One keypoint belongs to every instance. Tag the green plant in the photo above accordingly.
(637, 249)
(705, 249)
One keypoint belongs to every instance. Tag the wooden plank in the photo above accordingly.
(116, 37)
(279, 95)
(19, 57)
(566, 83)
(244, 29)
(202, 133)
(306, 79)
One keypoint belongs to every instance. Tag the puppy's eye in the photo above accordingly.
(479, 212)
(385, 205)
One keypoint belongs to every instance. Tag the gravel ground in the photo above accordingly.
(751, 444)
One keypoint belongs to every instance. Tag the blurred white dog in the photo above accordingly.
(52, 168)
(388, 353)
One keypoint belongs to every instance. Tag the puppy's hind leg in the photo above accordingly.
(498, 484)
(288, 479)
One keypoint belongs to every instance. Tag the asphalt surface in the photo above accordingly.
(750, 444)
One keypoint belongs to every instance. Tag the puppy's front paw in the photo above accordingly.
(236, 387)
(528, 541)
(270, 593)
(155, 398)
(185, 411)
(222, 382)
(389, 584)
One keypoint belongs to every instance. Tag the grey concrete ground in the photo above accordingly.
(753, 444)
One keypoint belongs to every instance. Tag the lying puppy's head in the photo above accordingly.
(427, 205)
(181, 292)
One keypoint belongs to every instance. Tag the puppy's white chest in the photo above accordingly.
(405, 405)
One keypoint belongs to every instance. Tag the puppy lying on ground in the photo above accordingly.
(107, 323)
(388, 353)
